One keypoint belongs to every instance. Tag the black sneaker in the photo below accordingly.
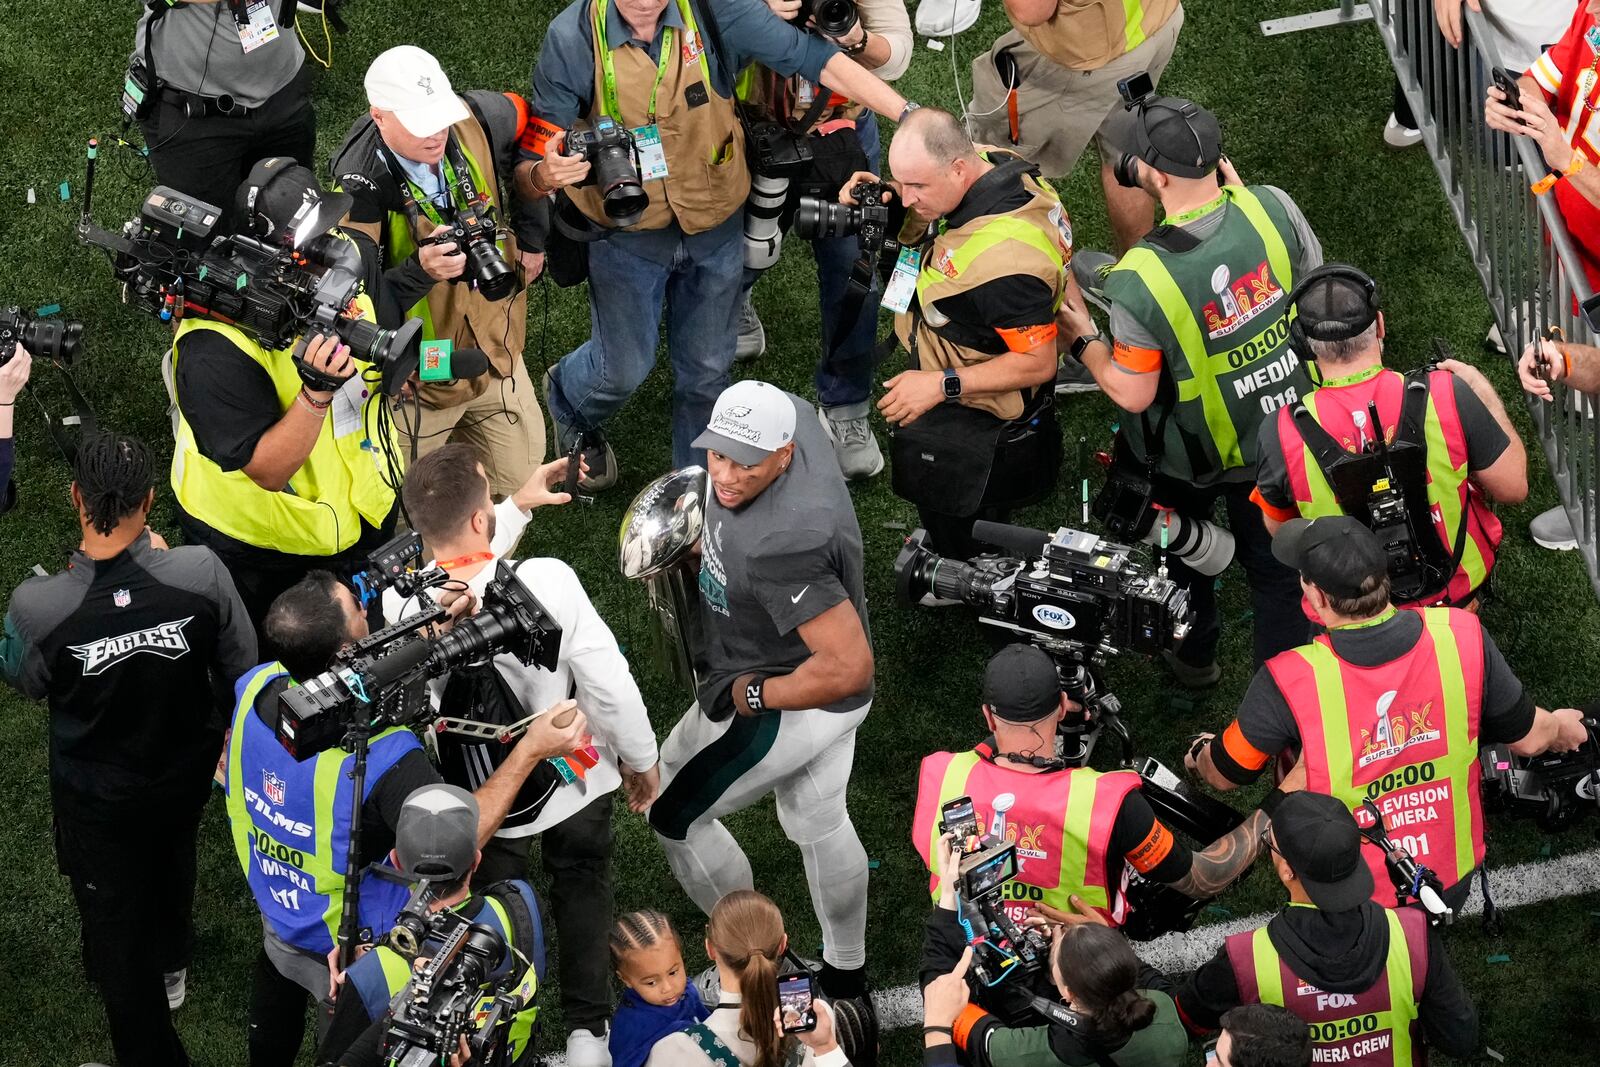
(855, 1025)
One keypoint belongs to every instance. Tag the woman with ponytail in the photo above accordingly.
(746, 942)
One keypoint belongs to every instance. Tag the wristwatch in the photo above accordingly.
(1081, 345)
(952, 385)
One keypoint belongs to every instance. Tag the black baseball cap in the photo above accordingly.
(1021, 685)
(1177, 136)
(1335, 302)
(1336, 553)
(1318, 838)
(282, 202)
(436, 836)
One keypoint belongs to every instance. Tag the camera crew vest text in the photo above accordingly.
(342, 481)
(291, 824)
(1221, 310)
(1088, 34)
(707, 179)
(1374, 1028)
(1061, 822)
(1404, 735)
(508, 908)
(1034, 240)
(1452, 497)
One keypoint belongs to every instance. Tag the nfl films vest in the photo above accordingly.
(291, 824)
(1403, 735)
(1221, 312)
(1088, 34)
(341, 483)
(1451, 495)
(1035, 240)
(1374, 1028)
(1061, 822)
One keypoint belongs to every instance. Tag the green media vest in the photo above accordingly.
(1221, 312)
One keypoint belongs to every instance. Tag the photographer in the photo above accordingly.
(290, 818)
(1334, 957)
(436, 839)
(604, 61)
(465, 532)
(976, 433)
(843, 138)
(1200, 355)
(221, 84)
(280, 469)
(1576, 366)
(13, 379)
(407, 165)
(1332, 707)
(135, 647)
(1470, 450)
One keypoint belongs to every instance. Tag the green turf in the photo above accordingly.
(1303, 112)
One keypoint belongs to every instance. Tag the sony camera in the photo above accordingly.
(1127, 509)
(453, 993)
(833, 18)
(867, 219)
(474, 233)
(381, 681)
(44, 338)
(1554, 790)
(613, 169)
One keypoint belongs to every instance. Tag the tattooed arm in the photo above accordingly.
(1220, 865)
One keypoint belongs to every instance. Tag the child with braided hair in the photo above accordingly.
(658, 999)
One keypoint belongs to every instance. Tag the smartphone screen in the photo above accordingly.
(794, 1004)
(958, 817)
(1508, 85)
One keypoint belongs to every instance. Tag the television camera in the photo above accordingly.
(1554, 790)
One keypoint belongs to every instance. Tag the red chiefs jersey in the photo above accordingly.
(1570, 74)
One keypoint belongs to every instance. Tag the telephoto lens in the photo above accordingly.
(763, 237)
(1204, 546)
(44, 339)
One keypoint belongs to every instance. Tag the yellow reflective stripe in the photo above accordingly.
(238, 812)
(330, 768)
(522, 1024)
(1133, 13)
(953, 785)
(1269, 975)
(1332, 709)
(1277, 251)
(996, 231)
(396, 971)
(1324, 501)
(1461, 754)
(1081, 787)
(1444, 491)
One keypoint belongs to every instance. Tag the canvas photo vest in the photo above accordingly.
(1088, 34)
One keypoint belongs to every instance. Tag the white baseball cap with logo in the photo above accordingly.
(409, 81)
(751, 420)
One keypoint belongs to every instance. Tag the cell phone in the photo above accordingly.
(1211, 1053)
(574, 468)
(1508, 85)
(794, 1004)
(1136, 87)
(960, 818)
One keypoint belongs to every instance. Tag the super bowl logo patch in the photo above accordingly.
(946, 264)
(272, 787)
(692, 47)
(122, 598)
(1593, 37)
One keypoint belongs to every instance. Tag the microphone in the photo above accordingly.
(467, 363)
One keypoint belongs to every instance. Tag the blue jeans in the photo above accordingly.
(700, 289)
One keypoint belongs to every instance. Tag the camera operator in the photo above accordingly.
(843, 138)
(611, 62)
(787, 677)
(1200, 320)
(976, 433)
(277, 472)
(437, 839)
(1576, 366)
(135, 647)
(405, 164)
(1262, 1035)
(291, 818)
(465, 532)
(1471, 449)
(13, 379)
(220, 84)
(1337, 959)
(1331, 706)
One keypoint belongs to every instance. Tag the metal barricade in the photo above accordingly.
(1519, 243)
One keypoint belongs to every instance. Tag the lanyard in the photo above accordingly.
(1195, 213)
(1353, 379)
(612, 108)
(424, 202)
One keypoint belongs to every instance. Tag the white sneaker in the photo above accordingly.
(1398, 136)
(752, 335)
(1494, 340)
(946, 18)
(588, 1049)
(1553, 530)
(177, 988)
(853, 444)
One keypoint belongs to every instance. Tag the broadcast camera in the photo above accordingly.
(55, 341)
(453, 993)
(381, 681)
(1553, 790)
(613, 169)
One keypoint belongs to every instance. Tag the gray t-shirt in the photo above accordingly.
(780, 561)
(197, 48)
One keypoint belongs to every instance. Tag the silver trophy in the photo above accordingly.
(657, 546)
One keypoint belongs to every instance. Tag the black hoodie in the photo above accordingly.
(1341, 952)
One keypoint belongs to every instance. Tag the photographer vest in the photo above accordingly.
(291, 824)
(1061, 822)
(454, 311)
(1220, 307)
(1404, 735)
(342, 482)
(510, 909)
(1452, 498)
(707, 179)
(1088, 34)
(793, 102)
(1034, 240)
(1374, 1028)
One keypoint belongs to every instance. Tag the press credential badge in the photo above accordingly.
(652, 157)
(903, 282)
(257, 26)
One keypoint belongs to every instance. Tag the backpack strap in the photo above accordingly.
(1325, 451)
(1413, 430)
(712, 1046)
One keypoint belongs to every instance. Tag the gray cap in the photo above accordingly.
(437, 835)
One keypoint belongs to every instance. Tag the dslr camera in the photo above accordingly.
(45, 338)
(613, 169)
(474, 233)
(867, 219)
(833, 18)
(453, 993)
(1126, 508)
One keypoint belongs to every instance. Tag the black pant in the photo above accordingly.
(576, 853)
(209, 155)
(135, 897)
(951, 535)
(1402, 107)
(1274, 589)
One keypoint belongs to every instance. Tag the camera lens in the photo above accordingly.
(614, 173)
(489, 270)
(763, 238)
(1126, 171)
(56, 341)
(815, 217)
(835, 18)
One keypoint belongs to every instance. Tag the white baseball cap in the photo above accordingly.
(750, 421)
(410, 82)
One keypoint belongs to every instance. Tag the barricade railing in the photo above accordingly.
(1519, 243)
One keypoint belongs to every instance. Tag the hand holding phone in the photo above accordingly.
(959, 818)
(795, 1011)
(1507, 84)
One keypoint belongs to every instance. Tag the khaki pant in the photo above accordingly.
(505, 425)
(1059, 111)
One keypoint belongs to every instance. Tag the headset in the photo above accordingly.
(1297, 335)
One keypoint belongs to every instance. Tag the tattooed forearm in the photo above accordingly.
(1225, 860)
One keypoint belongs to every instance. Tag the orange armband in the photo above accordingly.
(1027, 338)
(970, 1016)
(537, 134)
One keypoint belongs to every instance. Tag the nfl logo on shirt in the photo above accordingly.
(272, 786)
(122, 598)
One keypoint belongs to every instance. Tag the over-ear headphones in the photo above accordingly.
(255, 183)
(1297, 335)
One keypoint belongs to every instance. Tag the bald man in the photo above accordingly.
(975, 291)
